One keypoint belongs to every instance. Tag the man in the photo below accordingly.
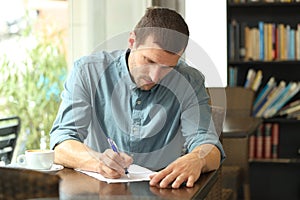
(149, 101)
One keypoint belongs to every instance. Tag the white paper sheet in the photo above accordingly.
(136, 173)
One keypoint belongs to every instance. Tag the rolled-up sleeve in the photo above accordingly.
(197, 124)
(74, 114)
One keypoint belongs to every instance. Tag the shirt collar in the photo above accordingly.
(125, 70)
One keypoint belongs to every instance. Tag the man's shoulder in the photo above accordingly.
(190, 73)
(100, 58)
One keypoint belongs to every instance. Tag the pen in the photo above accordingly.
(115, 149)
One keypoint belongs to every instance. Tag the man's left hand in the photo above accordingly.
(186, 169)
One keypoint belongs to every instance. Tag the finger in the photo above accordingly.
(156, 178)
(178, 181)
(112, 160)
(167, 181)
(108, 172)
(190, 182)
(128, 160)
(122, 159)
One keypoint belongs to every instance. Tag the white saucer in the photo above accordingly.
(54, 168)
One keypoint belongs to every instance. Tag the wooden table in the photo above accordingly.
(240, 127)
(76, 185)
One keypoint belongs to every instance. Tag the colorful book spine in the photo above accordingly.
(251, 147)
(267, 140)
(292, 45)
(250, 78)
(271, 98)
(263, 93)
(259, 142)
(242, 41)
(232, 76)
(257, 80)
(275, 140)
(291, 90)
(261, 40)
(288, 106)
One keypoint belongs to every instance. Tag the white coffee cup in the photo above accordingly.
(36, 159)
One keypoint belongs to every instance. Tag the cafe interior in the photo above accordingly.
(39, 42)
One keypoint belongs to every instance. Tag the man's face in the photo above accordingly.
(149, 63)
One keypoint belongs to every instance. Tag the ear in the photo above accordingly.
(131, 40)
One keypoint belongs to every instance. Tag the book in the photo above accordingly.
(270, 40)
(274, 39)
(261, 40)
(265, 41)
(294, 115)
(242, 41)
(290, 110)
(289, 92)
(251, 146)
(275, 140)
(234, 38)
(291, 54)
(282, 42)
(257, 80)
(297, 41)
(248, 44)
(250, 78)
(278, 43)
(237, 41)
(263, 93)
(256, 52)
(275, 93)
(267, 140)
(287, 40)
(259, 142)
(289, 105)
(232, 76)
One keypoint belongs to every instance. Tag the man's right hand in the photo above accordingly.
(114, 164)
(74, 154)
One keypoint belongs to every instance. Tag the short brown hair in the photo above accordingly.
(168, 28)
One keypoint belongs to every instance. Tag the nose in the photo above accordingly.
(155, 73)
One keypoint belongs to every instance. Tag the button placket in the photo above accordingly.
(136, 120)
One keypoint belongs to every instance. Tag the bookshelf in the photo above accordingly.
(281, 63)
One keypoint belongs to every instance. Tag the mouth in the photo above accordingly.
(148, 82)
(147, 85)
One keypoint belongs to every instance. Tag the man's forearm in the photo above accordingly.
(74, 154)
(211, 156)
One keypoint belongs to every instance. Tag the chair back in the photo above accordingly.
(239, 101)
(9, 131)
(218, 117)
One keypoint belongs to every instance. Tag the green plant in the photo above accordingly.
(31, 89)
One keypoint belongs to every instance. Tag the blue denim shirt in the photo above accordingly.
(100, 100)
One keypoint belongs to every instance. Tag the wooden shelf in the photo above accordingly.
(263, 4)
(260, 62)
(276, 160)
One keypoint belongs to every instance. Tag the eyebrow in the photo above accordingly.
(151, 61)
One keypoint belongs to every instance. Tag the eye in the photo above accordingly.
(167, 67)
(148, 60)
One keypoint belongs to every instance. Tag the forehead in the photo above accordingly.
(151, 50)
